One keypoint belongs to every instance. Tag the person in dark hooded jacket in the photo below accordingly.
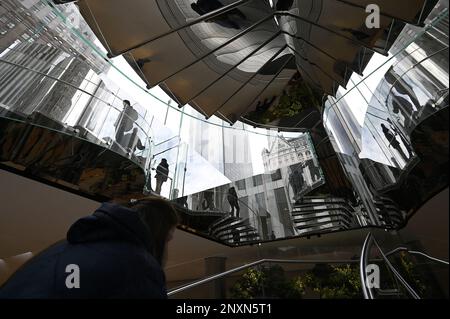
(118, 252)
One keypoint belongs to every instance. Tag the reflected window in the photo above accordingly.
(283, 210)
(257, 180)
(241, 184)
(276, 176)
(244, 207)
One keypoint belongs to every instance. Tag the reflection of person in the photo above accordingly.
(404, 99)
(182, 201)
(405, 142)
(125, 124)
(393, 141)
(232, 198)
(208, 200)
(162, 173)
(296, 181)
(117, 252)
(262, 107)
(314, 170)
(226, 19)
(272, 236)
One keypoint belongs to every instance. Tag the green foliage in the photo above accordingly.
(323, 281)
(267, 282)
(326, 281)
(409, 273)
(297, 97)
(334, 282)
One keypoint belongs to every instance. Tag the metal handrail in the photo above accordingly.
(415, 252)
(396, 273)
(252, 264)
(368, 293)
(362, 267)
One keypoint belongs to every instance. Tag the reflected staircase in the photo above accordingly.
(234, 230)
(322, 214)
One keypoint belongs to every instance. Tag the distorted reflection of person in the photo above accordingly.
(314, 170)
(263, 106)
(182, 201)
(162, 174)
(126, 133)
(208, 200)
(402, 136)
(296, 181)
(236, 236)
(404, 99)
(394, 142)
(227, 19)
(232, 198)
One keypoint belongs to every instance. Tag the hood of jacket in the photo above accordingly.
(111, 222)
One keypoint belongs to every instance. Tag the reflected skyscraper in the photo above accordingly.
(227, 149)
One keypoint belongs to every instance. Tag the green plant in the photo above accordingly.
(297, 97)
(324, 280)
(267, 282)
(409, 272)
(334, 281)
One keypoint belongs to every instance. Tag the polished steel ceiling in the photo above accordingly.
(235, 58)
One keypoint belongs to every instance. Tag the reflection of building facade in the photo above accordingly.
(286, 151)
(266, 203)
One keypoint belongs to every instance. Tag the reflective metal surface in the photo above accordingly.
(249, 58)
(387, 152)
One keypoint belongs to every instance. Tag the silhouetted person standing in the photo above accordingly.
(126, 133)
(232, 198)
(162, 173)
(402, 136)
(208, 200)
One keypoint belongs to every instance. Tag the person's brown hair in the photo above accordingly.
(159, 216)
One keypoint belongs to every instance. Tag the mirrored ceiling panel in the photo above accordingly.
(205, 53)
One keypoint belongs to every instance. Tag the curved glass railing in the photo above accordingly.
(87, 109)
(58, 47)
